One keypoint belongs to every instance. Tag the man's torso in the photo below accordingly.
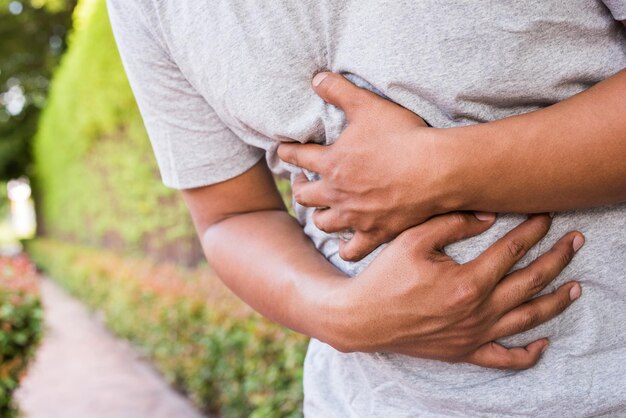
(453, 63)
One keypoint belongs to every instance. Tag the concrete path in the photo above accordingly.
(81, 371)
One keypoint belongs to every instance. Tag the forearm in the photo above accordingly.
(267, 261)
(262, 254)
(566, 156)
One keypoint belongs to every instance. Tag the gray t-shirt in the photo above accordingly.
(221, 83)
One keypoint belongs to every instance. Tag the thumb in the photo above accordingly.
(337, 90)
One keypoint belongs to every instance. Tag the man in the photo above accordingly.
(221, 85)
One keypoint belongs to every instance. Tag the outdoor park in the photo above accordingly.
(109, 310)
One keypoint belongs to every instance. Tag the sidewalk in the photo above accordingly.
(81, 370)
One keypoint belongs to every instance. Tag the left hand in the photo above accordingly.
(384, 174)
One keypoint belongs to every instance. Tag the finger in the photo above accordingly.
(337, 90)
(307, 156)
(496, 356)
(535, 312)
(328, 220)
(498, 259)
(443, 230)
(309, 193)
(523, 284)
(358, 247)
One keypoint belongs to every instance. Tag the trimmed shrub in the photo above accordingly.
(206, 342)
(20, 325)
(95, 171)
(98, 185)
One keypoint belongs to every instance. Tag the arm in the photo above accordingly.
(261, 252)
(566, 156)
(262, 255)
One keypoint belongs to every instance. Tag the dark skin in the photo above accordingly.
(573, 147)
(412, 299)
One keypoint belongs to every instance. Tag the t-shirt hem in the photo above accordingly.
(207, 175)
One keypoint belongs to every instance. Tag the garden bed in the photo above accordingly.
(20, 325)
(226, 358)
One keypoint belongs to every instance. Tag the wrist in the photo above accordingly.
(348, 323)
(475, 159)
(321, 307)
(452, 157)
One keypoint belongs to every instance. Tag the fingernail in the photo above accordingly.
(485, 216)
(578, 242)
(545, 347)
(319, 77)
(574, 292)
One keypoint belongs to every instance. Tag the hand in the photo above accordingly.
(384, 174)
(414, 300)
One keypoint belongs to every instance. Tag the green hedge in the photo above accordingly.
(227, 358)
(20, 325)
(96, 174)
(97, 184)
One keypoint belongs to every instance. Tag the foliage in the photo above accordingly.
(20, 325)
(31, 43)
(99, 185)
(207, 343)
(95, 169)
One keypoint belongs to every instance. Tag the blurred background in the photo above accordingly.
(81, 199)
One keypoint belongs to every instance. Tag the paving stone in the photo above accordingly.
(81, 370)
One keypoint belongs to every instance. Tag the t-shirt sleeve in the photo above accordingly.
(192, 145)
(617, 8)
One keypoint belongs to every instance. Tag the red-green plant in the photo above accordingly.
(20, 325)
(211, 346)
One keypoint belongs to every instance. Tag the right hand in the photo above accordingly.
(413, 299)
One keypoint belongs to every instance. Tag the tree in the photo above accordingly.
(32, 40)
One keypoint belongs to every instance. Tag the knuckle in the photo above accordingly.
(368, 224)
(475, 322)
(465, 294)
(466, 344)
(529, 320)
(456, 348)
(564, 258)
(334, 173)
(516, 248)
(536, 281)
